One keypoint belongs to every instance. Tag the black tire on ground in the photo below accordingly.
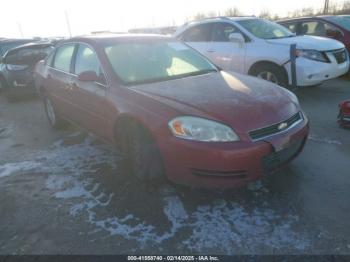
(272, 73)
(142, 153)
(54, 119)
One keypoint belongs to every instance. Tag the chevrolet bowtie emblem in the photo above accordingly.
(282, 126)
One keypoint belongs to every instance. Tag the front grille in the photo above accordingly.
(275, 160)
(238, 174)
(341, 56)
(276, 128)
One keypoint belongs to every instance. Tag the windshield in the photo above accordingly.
(265, 29)
(343, 21)
(155, 61)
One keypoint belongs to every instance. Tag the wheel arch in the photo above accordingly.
(267, 62)
(124, 120)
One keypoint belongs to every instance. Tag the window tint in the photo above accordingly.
(199, 33)
(222, 31)
(86, 60)
(63, 57)
(316, 28)
(291, 26)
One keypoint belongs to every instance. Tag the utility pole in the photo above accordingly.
(68, 23)
(326, 7)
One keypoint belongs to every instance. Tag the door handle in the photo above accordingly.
(71, 86)
(211, 50)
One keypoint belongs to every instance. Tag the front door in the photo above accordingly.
(224, 53)
(91, 97)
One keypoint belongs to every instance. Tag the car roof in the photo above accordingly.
(307, 17)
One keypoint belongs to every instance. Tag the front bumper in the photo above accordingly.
(229, 165)
(309, 72)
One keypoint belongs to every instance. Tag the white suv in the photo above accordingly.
(261, 48)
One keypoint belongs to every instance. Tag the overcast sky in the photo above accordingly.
(47, 17)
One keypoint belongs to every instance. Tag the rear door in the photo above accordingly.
(224, 53)
(58, 79)
(91, 97)
(199, 37)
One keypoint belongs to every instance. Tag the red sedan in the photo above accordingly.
(172, 111)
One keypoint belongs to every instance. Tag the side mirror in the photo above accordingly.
(88, 76)
(236, 38)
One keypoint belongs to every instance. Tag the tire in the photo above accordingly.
(271, 73)
(54, 119)
(142, 154)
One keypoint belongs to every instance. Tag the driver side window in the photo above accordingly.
(222, 32)
(87, 60)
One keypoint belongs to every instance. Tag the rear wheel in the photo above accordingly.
(271, 73)
(54, 120)
(142, 153)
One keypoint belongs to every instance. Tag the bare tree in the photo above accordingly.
(233, 11)
(265, 14)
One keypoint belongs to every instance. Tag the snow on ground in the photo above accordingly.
(326, 140)
(220, 225)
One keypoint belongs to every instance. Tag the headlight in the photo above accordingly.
(200, 129)
(312, 55)
(16, 67)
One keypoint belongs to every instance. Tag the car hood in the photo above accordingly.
(243, 102)
(309, 42)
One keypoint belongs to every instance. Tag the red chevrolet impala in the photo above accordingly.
(171, 111)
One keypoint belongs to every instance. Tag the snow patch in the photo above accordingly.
(15, 168)
(324, 140)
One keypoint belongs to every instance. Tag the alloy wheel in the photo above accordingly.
(269, 76)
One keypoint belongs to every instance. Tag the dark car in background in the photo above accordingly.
(16, 68)
(8, 44)
(332, 26)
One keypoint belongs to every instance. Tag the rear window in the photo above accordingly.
(343, 21)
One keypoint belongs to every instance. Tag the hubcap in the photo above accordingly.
(269, 76)
(50, 112)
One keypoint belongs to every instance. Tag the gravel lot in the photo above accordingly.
(64, 192)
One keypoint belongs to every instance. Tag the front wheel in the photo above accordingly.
(143, 155)
(54, 120)
(271, 73)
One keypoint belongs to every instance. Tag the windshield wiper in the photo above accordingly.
(162, 79)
